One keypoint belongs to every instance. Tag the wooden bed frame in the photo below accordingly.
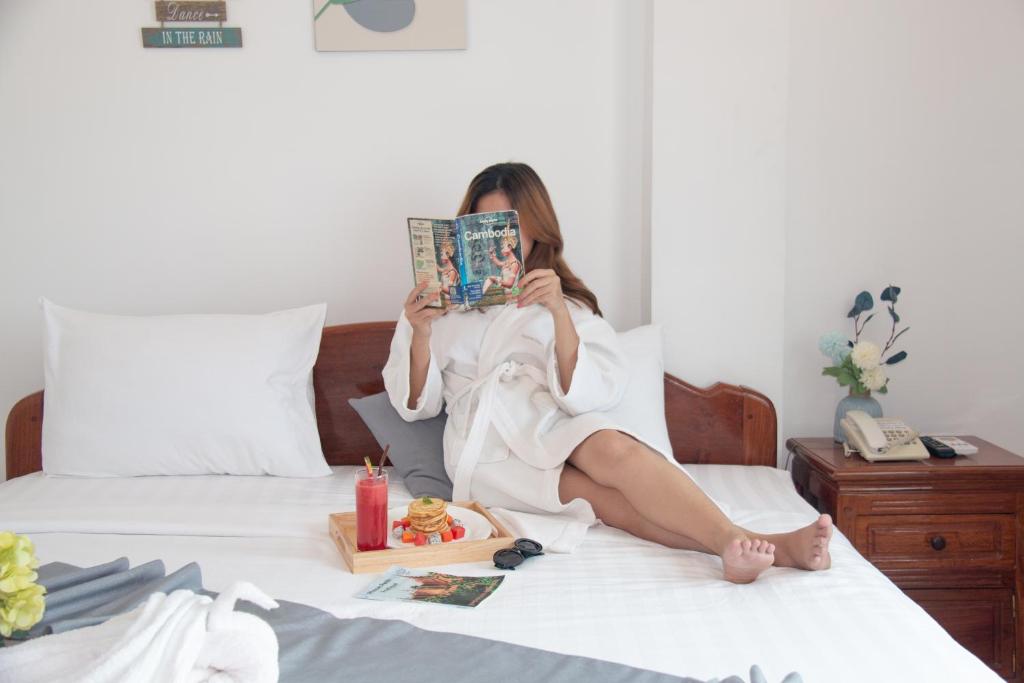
(722, 424)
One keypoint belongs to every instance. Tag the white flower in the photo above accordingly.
(866, 355)
(873, 379)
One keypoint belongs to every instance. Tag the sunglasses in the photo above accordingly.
(510, 558)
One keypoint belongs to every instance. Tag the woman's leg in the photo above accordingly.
(743, 557)
(614, 510)
(794, 549)
(668, 498)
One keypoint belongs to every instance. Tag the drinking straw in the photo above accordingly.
(369, 465)
(383, 458)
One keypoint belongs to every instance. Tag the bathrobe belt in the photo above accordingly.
(487, 385)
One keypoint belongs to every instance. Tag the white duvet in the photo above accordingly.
(616, 598)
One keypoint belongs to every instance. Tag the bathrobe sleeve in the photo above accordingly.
(396, 378)
(600, 376)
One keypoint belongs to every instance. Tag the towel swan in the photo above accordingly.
(179, 637)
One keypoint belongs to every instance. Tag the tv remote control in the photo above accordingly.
(937, 448)
(957, 444)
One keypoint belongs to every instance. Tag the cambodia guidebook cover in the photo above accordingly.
(472, 261)
(417, 585)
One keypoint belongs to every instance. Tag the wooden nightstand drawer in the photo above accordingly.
(980, 620)
(922, 503)
(937, 541)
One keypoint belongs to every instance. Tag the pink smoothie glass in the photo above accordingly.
(371, 510)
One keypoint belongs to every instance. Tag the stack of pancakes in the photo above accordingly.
(428, 515)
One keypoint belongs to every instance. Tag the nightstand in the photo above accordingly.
(946, 531)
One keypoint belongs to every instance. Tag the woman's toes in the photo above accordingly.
(743, 560)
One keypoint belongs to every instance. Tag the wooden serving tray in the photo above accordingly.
(342, 527)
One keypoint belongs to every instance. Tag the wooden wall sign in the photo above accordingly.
(191, 11)
(188, 11)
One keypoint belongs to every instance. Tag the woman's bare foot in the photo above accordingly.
(805, 548)
(744, 559)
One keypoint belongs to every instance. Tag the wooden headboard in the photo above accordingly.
(722, 424)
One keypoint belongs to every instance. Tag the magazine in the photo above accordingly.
(417, 585)
(472, 261)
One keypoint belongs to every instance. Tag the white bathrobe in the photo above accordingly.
(510, 426)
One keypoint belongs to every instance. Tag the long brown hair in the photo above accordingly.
(529, 197)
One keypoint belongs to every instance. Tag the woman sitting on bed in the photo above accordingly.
(525, 387)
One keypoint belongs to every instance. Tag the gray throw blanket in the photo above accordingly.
(316, 646)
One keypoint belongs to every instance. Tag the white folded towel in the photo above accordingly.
(178, 638)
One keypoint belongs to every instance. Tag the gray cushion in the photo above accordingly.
(417, 448)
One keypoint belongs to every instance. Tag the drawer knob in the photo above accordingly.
(938, 542)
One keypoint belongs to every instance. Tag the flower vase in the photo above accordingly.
(854, 401)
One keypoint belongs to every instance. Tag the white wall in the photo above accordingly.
(757, 163)
(804, 150)
(906, 164)
(155, 181)
(718, 190)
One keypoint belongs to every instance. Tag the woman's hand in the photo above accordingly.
(544, 287)
(419, 315)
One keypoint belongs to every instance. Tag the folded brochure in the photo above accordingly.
(417, 585)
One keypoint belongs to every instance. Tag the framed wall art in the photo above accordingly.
(358, 25)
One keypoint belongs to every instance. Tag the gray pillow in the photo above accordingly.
(417, 448)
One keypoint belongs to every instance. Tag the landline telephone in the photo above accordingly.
(881, 439)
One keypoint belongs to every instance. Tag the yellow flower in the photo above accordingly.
(17, 560)
(21, 598)
(22, 610)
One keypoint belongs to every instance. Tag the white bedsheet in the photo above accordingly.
(616, 598)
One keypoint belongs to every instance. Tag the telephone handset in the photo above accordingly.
(881, 439)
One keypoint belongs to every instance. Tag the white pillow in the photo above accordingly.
(642, 409)
(181, 394)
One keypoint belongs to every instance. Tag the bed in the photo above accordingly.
(617, 598)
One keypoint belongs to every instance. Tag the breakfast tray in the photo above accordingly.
(342, 527)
